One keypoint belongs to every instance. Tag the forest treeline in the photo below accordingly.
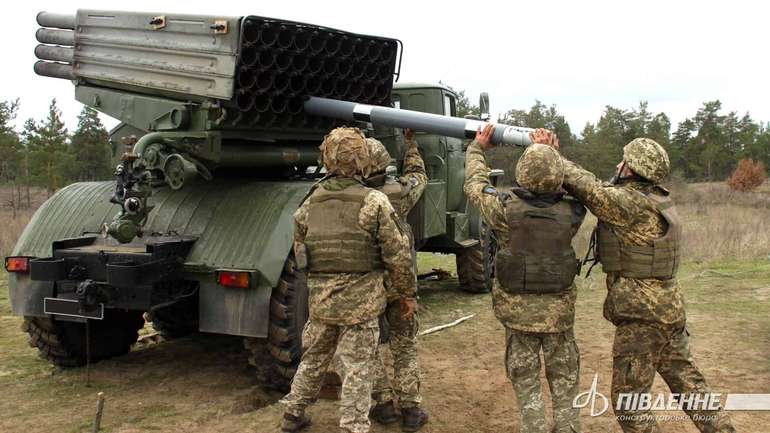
(704, 147)
(45, 154)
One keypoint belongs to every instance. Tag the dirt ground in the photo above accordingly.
(202, 383)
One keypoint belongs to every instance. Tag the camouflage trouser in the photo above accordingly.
(562, 368)
(356, 348)
(406, 365)
(640, 350)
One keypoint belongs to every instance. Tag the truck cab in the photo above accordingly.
(443, 220)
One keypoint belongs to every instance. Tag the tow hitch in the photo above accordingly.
(92, 272)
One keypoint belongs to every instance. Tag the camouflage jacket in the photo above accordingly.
(635, 220)
(414, 178)
(351, 298)
(522, 312)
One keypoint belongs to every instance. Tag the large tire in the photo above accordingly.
(288, 315)
(64, 343)
(178, 319)
(476, 265)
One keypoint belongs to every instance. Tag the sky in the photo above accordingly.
(579, 55)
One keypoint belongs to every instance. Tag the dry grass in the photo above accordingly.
(725, 231)
(11, 228)
(12, 222)
(719, 223)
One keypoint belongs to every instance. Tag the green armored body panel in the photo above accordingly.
(221, 118)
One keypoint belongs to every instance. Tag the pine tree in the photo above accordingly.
(680, 143)
(11, 153)
(10, 148)
(49, 156)
(91, 148)
(708, 143)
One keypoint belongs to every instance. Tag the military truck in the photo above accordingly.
(196, 231)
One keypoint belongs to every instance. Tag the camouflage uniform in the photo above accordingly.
(403, 333)
(344, 306)
(533, 322)
(648, 312)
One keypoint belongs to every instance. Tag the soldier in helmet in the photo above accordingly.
(638, 240)
(533, 293)
(404, 192)
(347, 236)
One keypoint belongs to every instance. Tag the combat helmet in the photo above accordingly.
(344, 152)
(540, 169)
(379, 156)
(647, 158)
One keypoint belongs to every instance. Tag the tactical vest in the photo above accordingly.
(659, 260)
(335, 242)
(539, 257)
(391, 187)
(395, 192)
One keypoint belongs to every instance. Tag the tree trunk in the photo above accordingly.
(49, 187)
(26, 177)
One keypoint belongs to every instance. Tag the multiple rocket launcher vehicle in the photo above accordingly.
(221, 118)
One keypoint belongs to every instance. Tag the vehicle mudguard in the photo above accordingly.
(242, 224)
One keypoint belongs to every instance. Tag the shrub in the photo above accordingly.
(747, 176)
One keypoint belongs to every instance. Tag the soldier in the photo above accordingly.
(533, 292)
(347, 236)
(403, 192)
(637, 240)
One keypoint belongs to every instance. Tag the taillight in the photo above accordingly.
(17, 264)
(238, 280)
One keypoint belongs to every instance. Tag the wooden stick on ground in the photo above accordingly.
(445, 326)
(99, 410)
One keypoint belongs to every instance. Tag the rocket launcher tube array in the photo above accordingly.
(284, 67)
(259, 64)
(59, 21)
(425, 122)
(57, 56)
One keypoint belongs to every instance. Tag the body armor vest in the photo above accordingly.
(659, 260)
(395, 192)
(389, 186)
(539, 257)
(335, 242)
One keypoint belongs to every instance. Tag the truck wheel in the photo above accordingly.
(288, 315)
(178, 319)
(476, 265)
(63, 343)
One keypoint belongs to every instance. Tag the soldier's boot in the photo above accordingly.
(384, 413)
(293, 424)
(413, 418)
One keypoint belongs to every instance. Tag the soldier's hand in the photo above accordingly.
(539, 136)
(555, 141)
(544, 136)
(484, 136)
(408, 305)
(409, 134)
